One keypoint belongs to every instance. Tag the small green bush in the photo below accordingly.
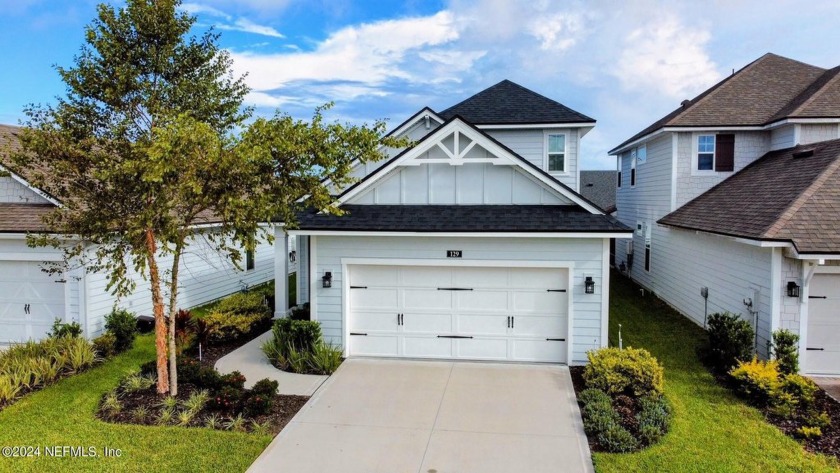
(105, 345)
(301, 335)
(598, 418)
(800, 388)
(226, 399)
(233, 380)
(80, 355)
(123, 324)
(266, 387)
(243, 303)
(64, 330)
(654, 413)
(730, 341)
(300, 312)
(628, 371)
(821, 420)
(324, 358)
(223, 327)
(257, 404)
(808, 433)
(785, 348)
(617, 439)
(589, 396)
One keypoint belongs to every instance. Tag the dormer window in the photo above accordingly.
(556, 155)
(715, 153)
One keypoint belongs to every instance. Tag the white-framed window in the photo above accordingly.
(633, 155)
(641, 154)
(705, 152)
(555, 145)
(618, 166)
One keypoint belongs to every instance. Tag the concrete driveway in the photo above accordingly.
(435, 417)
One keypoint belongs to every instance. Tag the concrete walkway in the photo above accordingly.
(252, 362)
(830, 385)
(435, 417)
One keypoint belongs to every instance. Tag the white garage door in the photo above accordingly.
(823, 344)
(30, 300)
(517, 314)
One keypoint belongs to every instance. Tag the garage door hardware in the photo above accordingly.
(358, 287)
(26, 309)
(555, 339)
(454, 289)
(454, 336)
(815, 349)
(358, 333)
(555, 290)
(400, 320)
(510, 321)
(817, 297)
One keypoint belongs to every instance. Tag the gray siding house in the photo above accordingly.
(735, 195)
(473, 243)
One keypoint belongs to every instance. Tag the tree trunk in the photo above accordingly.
(160, 321)
(173, 306)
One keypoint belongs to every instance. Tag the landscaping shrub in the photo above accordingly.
(266, 387)
(257, 404)
(226, 327)
(624, 371)
(598, 417)
(233, 380)
(63, 330)
(653, 418)
(105, 345)
(185, 336)
(730, 341)
(808, 433)
(802, 389)
(300, 312)
(785, 348)
(225, 399)
(757, 380)
(324, 358)
(123, 324)
(591, 395)
(243, 303)
(617, 439)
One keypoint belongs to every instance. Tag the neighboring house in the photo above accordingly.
(470, 244)
(599, 187)
(30, 299)
(735, 201)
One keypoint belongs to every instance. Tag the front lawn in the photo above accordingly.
(63, 415)
(712, 430)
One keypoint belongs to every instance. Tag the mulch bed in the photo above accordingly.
(829, 443)
(282, 410)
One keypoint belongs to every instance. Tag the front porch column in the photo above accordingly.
(281, 272)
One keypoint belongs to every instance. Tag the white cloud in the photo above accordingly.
(248, 26)
(667, 56)
(557, 32)
(196, 9)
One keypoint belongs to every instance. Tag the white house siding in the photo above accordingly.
(530, 144)
(204, 276)
(12, 191)
(789, 306)
(303, 269)
(686, 261)
(783, 137)
(647, 201)
(749, 146)
(468, 184)
(586, 254)
(814, 133)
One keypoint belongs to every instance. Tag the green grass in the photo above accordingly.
(712, 430)
(63, 414)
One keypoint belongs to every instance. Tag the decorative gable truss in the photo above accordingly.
(459, 164)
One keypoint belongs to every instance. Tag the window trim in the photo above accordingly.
(250, 260)
(546, 136)
(618, 164)
(633, 157)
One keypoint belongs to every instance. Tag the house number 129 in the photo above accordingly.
(453, 253)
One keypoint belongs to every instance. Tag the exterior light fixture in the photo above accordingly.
(792, 289)
(589, 285)
(326, 281)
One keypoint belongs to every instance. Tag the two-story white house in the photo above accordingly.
(472, 243)
(735, 202)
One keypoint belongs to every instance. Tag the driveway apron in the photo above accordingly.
(390, 416)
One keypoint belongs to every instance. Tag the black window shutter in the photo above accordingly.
(633, 177)
(619, 178)
(725, 153)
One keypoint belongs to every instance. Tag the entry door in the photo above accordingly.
(480, 313)
(30, 300)
(823, 343)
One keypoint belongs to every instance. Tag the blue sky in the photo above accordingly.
(624, 63)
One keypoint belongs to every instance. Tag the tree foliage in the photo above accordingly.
(151, 140)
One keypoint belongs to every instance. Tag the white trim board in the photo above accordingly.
(621, 235)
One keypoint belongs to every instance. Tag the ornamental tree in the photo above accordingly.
(149, 150)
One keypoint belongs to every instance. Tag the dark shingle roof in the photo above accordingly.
(507, 103)
(779, 197)
(462, 218)
(21, 218)
(766, 90)
(599, 187)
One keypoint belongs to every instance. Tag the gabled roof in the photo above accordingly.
(790, 195)
(478, 136)
(507, 103)
(462, 218)
(599, 187)
(767, 90)
(22, 218)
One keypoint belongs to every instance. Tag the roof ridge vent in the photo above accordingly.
(685, 103)
(805, 153)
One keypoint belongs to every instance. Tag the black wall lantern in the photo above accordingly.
(792, 289)
(327, 279)
(589, 285)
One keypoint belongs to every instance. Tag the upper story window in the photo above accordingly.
(556, 156)
(715, 153)
(618, 165)
(633, 157)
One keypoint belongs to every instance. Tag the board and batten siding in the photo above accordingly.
(12, 191)
(646, 202)
(586, 254)
(204, 277)
(477, 183)
(783, 137)
(531, 145)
